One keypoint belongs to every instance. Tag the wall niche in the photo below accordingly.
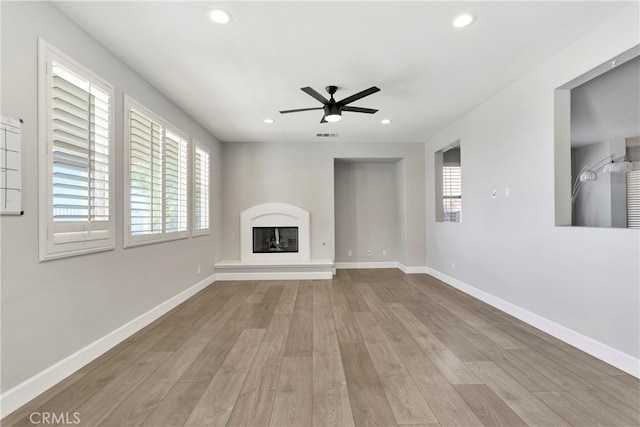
(598, 126)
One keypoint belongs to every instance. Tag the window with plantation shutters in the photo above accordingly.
(157, 179)
(200, 190)
(76, 210)
(451, 193)
(448, 183)
(633, 199)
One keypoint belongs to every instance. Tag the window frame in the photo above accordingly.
(163, 236)
(195, 230)
(60, 239)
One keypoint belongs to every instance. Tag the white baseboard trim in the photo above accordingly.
(386, 264)
(19, 395)
(412, 270)
(610, 355)
(281, 275)
(364, 265)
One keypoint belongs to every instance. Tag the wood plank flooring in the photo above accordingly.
(370, 347)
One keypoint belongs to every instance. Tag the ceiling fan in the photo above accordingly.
(333, 109)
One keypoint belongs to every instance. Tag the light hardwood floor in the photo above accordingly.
(370, 347)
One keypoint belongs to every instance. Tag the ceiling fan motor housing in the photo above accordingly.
(330, 109)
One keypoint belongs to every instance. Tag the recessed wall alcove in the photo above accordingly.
(597, 149)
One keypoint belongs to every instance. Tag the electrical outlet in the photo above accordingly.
(349, 252)
(384, 252)
(369, 252)
(453, 265)
(198, 269)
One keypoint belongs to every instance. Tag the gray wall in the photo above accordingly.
(52, 309)
(584, 279)
(302, 174)
(366, 211)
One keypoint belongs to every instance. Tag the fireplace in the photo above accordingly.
(275, 244)
(274, 233)
(275, 239)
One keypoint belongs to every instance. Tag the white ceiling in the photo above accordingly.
(230, 78)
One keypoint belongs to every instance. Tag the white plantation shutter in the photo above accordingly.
(201, 190)
(633, 199)
(452, 193)
(176, 182)
(158, 178)
(77, 109)
(145, 175)
(81, 120)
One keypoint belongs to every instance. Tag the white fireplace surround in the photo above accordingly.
(275, 215)
(275, 265)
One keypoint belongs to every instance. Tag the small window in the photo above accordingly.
(157, 178)
(200, 190)
(448, 184)
(76, 132)
(451, 193)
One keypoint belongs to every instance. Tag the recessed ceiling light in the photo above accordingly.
(269, 121)
(463, 20)
(385, 121)
(220, 16)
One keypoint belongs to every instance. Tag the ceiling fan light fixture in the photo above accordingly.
(220, 16)
(332, 112)
(463, 20)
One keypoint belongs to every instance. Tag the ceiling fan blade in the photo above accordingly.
(359, 110)
(301, 109)
(366, 92)
(311, 92)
